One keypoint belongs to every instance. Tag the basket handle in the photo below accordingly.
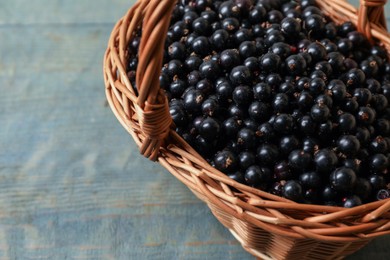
(152, 105)
(371, 12)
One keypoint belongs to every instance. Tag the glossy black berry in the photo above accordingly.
(192, 63)
(378, 145)
(369, 67)
(295, 65)
(329, 194)
(210, 107)
(226, 161)
(325, 160)
(325, 130)
(305, 100)
(209, 129)
(288, 143)
(344, 46)
(229, 59)
(366, 115)
(336, 60)
(238, 112)
(273, 80)
(317, 86)
(272, 37)
(270, 62)
(246, 159)
(352, 201)
(378, 162)
(230, 24)
(178, 30)
(267, 154)
(251, 124)
(314, 24)
(350, 105)
(282, 171)
(362, 95)
(377, 181)
(354, 78)
(247, 49)
(204, 146)
(229, 9)
(346, 28)
(310, 145)
(238, 176)
(330, 30)
(320, 112)
(382, 126)
(290, 26)
(259, 111)
(178, 115)
(175, 68)
(242, 95)
(281, 49)
(292, 190)
(299, 160)
(257, 15)
(283, 123)
(329, 45)
(246, 138)
(281, 103)
(202, 5)
(243, 35)
(362, 188)
(220, 39)
(307, 125)
(209, 69)
(317, 51)
(262, 91)
(346, 122)
(205, 86)
(252, 63)
(177, 88)
(201, 46)
(224, 92)
(379, 102)
(193, 78)
(342, 179)
(230, 127)
(348, 145)
(310, 9)
(240, 75)
(256, 175)
(274, 16)
(310, 179)
(265, 132)
(193, 100)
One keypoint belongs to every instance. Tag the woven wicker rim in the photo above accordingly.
(145, 116)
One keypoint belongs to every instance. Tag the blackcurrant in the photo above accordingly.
(342, 179)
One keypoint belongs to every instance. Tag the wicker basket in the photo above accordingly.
(267, 226)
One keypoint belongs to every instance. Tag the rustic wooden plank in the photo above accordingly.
(72, 184)
(57, 12)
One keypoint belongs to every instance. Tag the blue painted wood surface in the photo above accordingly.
(72, 184)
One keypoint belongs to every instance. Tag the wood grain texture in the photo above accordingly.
(72, 183)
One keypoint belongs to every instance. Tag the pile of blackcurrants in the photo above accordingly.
(278, 97)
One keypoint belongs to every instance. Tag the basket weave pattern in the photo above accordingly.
(267, 226)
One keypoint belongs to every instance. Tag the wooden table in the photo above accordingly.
(72, 184)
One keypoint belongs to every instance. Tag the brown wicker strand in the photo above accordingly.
(371, 12)
(152, 106)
